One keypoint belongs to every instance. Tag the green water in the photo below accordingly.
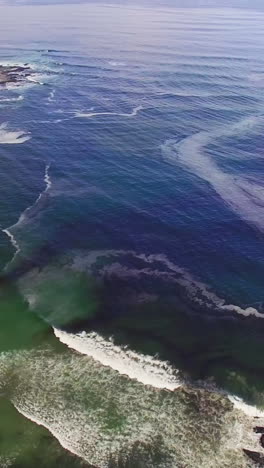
(24, 444)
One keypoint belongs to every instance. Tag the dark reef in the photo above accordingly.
(14, 74)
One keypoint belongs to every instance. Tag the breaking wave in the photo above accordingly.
(144, 369)
(106, 418)
(111, 385)
(10, 137)
(36, 78)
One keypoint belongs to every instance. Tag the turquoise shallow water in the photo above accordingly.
(132, 227)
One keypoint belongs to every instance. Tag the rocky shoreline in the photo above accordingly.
(14, 74)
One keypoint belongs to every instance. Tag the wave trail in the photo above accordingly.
(13, 242)
(12, 137)
(163, 268)
(35, 78)
(243, 197)
(47, 178)
(13, 99)
(97, 114)
(144, 369)
(51, 96)
(25, 215)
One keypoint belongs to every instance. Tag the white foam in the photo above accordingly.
(14, 244)
(27, 80)
(59, 435)
(14, 99)
(22, 218)
(144, 369)
(5, 462)
(100, 415)
(164, 269)
(242, 196)
(249, 410)
(48, 184)
(246, 312)
(7, 63)
(113, 63)
(51, 96)
(47, 178)
(16, 85)
(97, 114)
(9, 137)
(35, 78)
(55, 121)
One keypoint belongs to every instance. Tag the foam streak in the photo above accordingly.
(97, 114)
(24, 215)
(8, 137)
(164, 268)
(243, 197)
(144, 369)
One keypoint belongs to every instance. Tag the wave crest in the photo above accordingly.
(144, 369)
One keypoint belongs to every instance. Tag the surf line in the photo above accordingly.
(145, 369)
(23, 216)
(198, 291)
(98, 114)
(63, 440)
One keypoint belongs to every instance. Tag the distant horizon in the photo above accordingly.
(240, 4)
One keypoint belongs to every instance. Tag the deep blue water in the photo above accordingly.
(146, 143)
(113, 186)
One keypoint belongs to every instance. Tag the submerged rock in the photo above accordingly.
(14, 74)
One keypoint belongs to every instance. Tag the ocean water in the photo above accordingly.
(131, 243)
